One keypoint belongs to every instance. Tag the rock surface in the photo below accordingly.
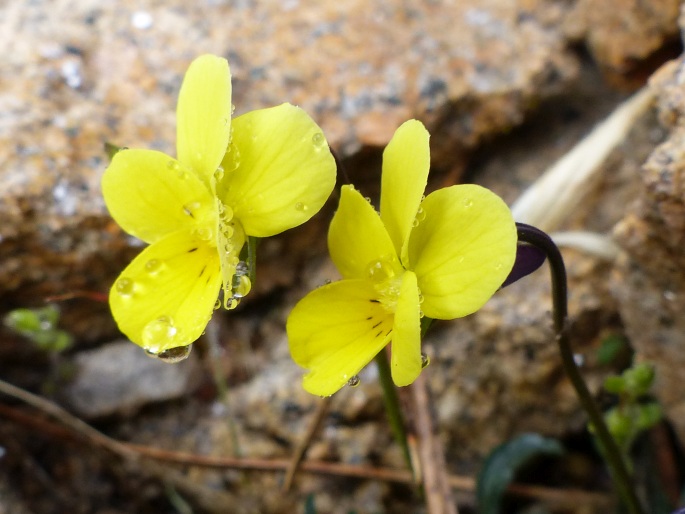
(650, 282)
(78, 74)
(114, 379)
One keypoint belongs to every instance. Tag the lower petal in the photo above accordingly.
(405, 363)
(335, 331)
(165, 297)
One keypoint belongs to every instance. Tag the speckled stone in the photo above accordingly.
(117, 378)
(650, 283)
(624, 35)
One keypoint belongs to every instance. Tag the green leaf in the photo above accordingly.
(501, 465)
(309, 507)
(611, 347)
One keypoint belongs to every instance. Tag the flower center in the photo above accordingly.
(386, 275)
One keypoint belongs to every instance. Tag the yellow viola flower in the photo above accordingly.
(443, 256)
(257, 175)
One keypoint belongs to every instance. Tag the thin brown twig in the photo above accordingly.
(439, 499)
(302, 446)
(126, 450)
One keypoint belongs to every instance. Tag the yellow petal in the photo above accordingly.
(150, 195)
(406, 161)
(165, 297)
(405, 363)
(204, 115)
(279, 171)
(462, 251)
(357, 239)
(335, 331)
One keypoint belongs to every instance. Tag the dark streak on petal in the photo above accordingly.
(376, 325)
(192, 250)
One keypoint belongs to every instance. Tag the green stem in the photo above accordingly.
(615, 462)
(392, 406)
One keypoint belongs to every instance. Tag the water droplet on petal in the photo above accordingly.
(241, 286)
(241, 268)
(318, 139)
(159, 333)
(231, 303)
(124, 286)
(153, 265)
(217, 304)
(380, 270)
(203, 233)
(425, 360)
(299, 206)
(172, 355)
(354, 381)
(219, 173)
(468, 202)
(232, 108)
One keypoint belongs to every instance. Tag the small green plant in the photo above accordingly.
(634, 413)
(39, 326)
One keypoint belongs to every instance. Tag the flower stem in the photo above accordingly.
(392, 406)
(617, 466)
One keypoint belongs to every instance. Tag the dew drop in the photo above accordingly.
(318, 139)
(241, 268)
(158, 333)
(415, 223)
(232, 108)
(468, 202)
(124, 286)
(425, 360)
(380, 270)
(241, 286)
(421, 314)
(172, 355)
(153, 265)
(219, 173)
(231, 303)
(203, 233)
(354, 381)
(299, 206)
(217, 304)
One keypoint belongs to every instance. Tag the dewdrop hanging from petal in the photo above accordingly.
(443, 256)
(232, 179)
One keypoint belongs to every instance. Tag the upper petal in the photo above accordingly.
(165, 297)
(405, 362)
(150, 195)
(279, 171)
(406, 161)
(335, 331)
(204, 115)
(357, 237)
(462, 251)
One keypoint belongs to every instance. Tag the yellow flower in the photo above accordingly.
(443, 255)
(257, 175)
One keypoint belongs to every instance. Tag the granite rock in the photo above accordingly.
(650, 283)
(117, 379)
